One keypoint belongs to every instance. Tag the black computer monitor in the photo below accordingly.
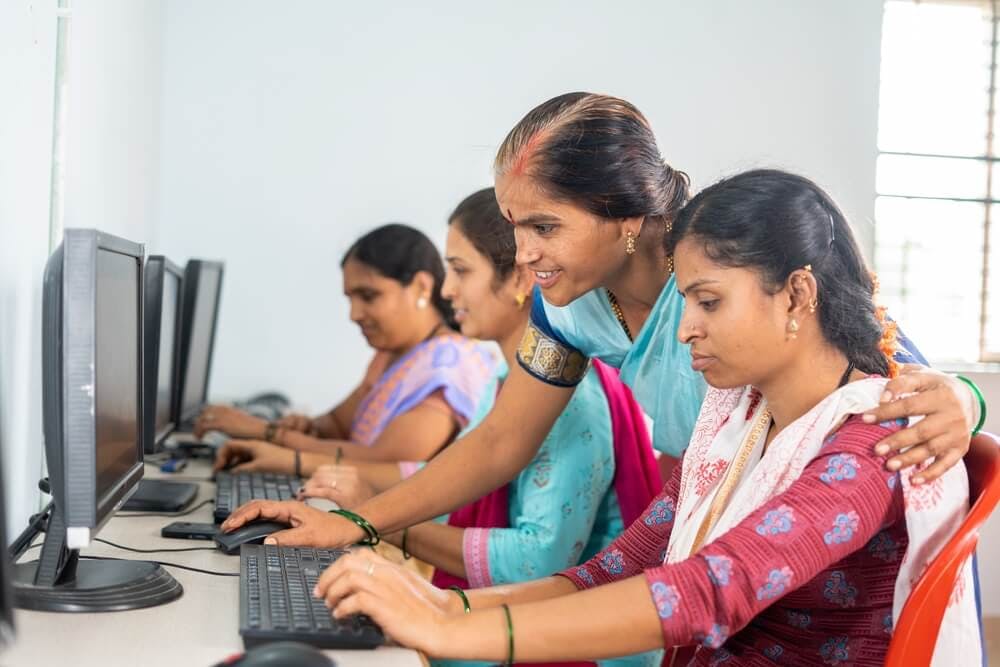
(161, 343)
(202, 293)
(6, 591)
(93, 423)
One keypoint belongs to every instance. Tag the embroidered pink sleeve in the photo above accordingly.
(642, 545)
(476, 554)
(843, 498)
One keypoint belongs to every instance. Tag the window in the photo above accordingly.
(937, 212)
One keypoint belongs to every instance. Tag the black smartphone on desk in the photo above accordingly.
(186, 530)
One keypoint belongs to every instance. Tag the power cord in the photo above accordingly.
(191, 510)
(150, 551)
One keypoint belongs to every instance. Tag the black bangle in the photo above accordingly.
(461, 594)
(340, 455)
(298, 463)
(373, 536)
(406, 555)
(510, 635)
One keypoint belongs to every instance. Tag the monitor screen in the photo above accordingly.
(169, 312)
(116, 404)
(200, 338)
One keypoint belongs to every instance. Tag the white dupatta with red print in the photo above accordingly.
(933, 511)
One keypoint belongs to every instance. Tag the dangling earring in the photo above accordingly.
(793, 329)
(629, 243)
(520, 298)
(422, 302)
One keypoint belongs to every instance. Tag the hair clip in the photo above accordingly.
(833, 236)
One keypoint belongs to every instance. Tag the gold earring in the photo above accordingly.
(629, 243)
(520, 299)
(793, 329)
(422, 302)
(812, 305)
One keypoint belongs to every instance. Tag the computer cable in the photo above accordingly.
(150, 551)
(190, 510)
(177, 565)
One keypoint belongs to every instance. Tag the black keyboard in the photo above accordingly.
(235, 489)
(276, 601)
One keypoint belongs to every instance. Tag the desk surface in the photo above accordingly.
(200, 628)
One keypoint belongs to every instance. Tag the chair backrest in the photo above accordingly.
(916, 631)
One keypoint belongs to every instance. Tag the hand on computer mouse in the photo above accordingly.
(343, 484)
(253, 456)
(407, 607)
(235, 423)
(310, 527)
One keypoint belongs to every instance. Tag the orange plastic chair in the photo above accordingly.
(916, 631)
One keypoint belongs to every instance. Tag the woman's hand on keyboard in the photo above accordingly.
(409, 609)
(309, 526)
(254, 456)
(342, 484)
(230, 421)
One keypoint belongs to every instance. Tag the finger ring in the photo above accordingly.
(371, 569)
(333, 484)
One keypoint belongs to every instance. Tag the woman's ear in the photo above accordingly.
(802, 291)
(423, 286)
(523, 281)
(633, 225)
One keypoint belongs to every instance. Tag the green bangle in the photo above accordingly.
(982, 403)
(373, 536)
(510, 635)
(406, 555)
(461, 594)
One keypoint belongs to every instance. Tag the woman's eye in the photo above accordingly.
(709, 304)
(544, 229)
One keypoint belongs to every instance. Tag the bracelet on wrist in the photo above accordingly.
(465, 598)
(982, 403)
(372, 535)
(406, 555)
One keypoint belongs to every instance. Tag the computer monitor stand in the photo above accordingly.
(62, 581)
(160, 495)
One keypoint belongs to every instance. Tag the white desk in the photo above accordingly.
(200, 628)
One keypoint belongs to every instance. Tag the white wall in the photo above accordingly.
(110, 180)
(27, 71)
(288, 129)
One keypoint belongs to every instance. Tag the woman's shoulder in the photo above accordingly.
(586, 324)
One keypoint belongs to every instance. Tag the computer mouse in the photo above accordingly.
(250, 533)
(284, 654)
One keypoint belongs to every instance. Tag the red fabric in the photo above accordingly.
(637, 475)
(807, 578)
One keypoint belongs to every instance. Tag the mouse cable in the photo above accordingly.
(151, 551)
(129, 515)
(177, 565)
